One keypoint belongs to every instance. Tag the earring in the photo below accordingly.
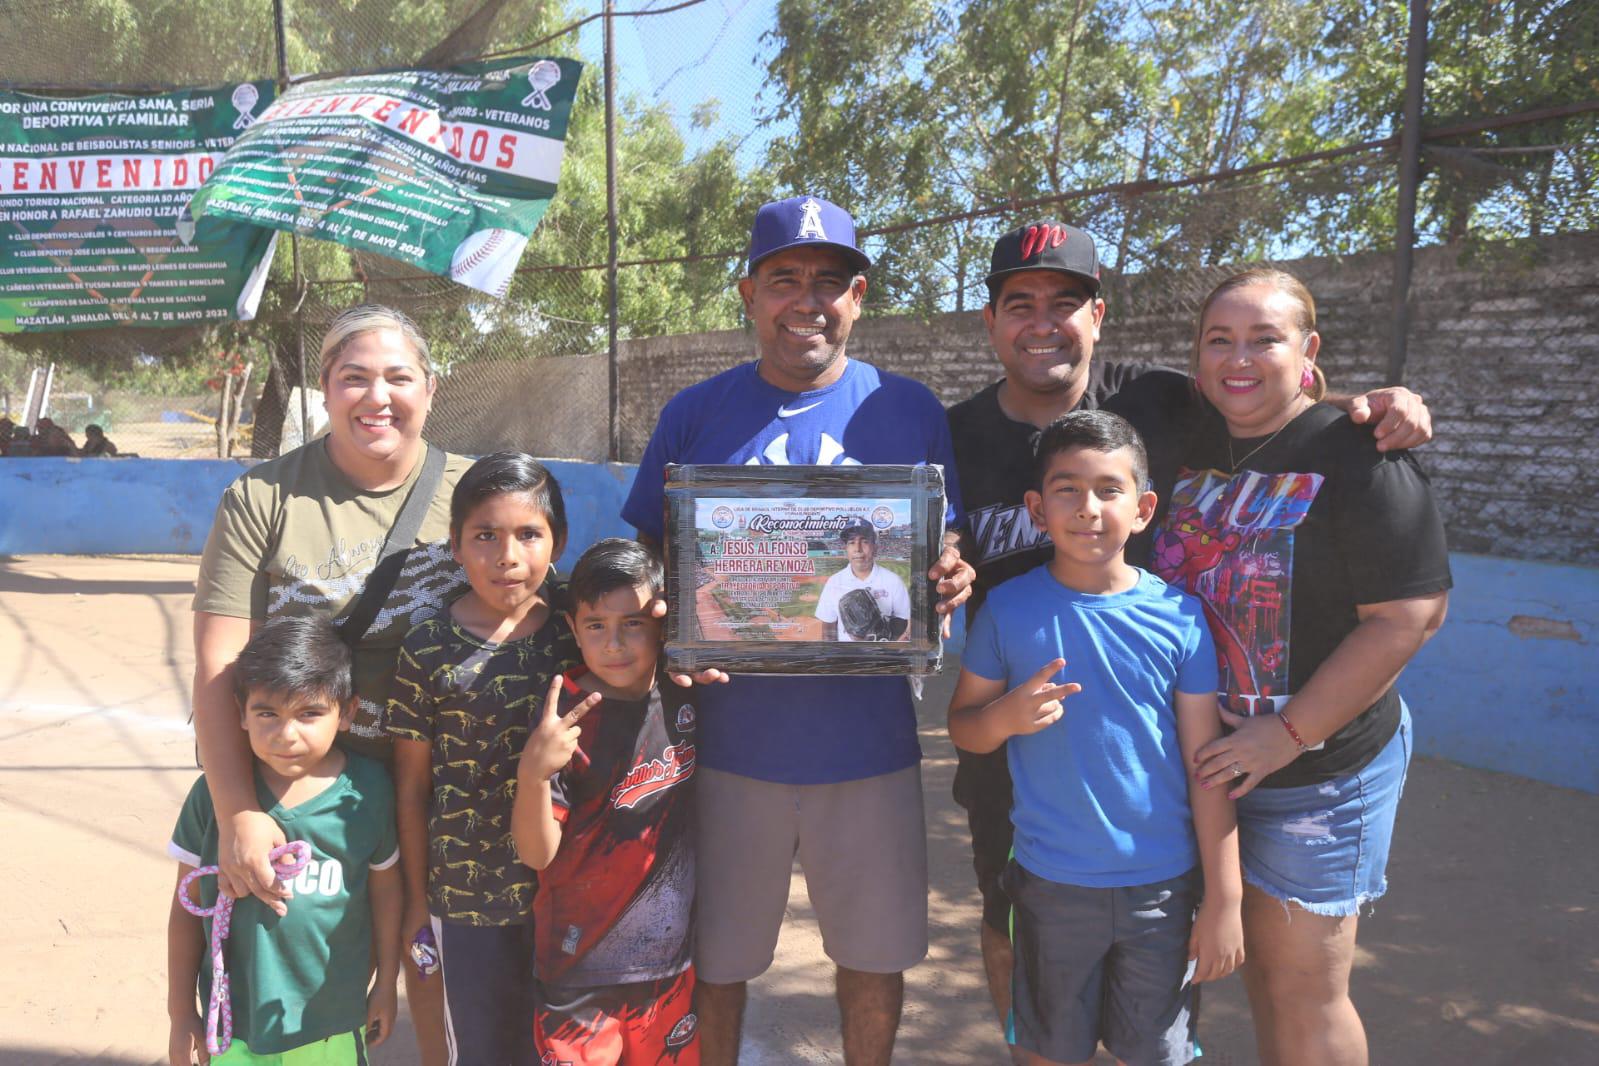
(1307, 380)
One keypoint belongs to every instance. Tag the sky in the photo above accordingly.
(712, 51)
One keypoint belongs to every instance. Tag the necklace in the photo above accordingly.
(1236, 463)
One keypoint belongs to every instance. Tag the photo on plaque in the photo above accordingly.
(803, 569)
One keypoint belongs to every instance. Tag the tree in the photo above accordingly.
(673, 204)
(925, 109)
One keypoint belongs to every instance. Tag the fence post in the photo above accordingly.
(226, 406)
(1409, 177)
(294, 245)
(612, 325)
(300, 289)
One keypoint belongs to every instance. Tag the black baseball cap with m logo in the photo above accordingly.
(1044, 245)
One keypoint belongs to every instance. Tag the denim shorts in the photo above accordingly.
(1325, 847)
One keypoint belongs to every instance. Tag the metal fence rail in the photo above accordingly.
(666, 162)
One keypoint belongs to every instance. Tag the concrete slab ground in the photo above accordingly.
(1485, 951)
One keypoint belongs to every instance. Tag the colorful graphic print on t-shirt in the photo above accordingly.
(1230, 541)
(616, 904)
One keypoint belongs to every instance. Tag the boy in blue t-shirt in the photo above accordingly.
(1112, 832)
(298, 978)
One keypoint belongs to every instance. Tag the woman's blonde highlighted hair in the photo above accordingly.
(366, 318)
(1282, 281)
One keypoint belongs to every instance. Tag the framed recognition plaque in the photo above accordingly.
(803, 569)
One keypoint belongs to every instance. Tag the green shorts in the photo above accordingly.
(346, 1049)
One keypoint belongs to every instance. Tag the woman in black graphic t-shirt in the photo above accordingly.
(1322, 566)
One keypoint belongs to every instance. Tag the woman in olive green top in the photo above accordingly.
(300, 534)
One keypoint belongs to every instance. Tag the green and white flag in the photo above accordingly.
(92, 190)
(449, 170)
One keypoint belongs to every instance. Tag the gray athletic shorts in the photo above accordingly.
(1103, 965)
(862, 845)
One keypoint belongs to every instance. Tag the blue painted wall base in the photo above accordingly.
(162, 506)
(1511, 683)
(110, 506)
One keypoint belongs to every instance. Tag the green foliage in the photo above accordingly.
(670, 205)
(965, 106)
(673, 204)
(1504, 56)
(903, 112)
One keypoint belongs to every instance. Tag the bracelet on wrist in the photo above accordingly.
(1299, 741)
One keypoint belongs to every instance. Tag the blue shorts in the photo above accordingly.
(1325, 847)
(1103, 965)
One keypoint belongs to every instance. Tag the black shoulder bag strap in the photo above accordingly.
(396, 547)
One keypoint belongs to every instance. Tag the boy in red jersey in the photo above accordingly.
(604, 812)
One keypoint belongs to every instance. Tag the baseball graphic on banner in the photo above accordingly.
(543, 75)
(245, 97)
(486, 260)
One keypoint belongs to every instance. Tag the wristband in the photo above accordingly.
(1299, 741)
(425, 952)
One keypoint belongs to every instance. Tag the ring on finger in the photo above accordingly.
(1238, 769)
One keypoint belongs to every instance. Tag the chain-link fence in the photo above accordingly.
(1184, 137)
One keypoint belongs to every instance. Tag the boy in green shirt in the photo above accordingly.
(299, 979)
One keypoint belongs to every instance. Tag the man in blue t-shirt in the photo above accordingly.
(827, 768)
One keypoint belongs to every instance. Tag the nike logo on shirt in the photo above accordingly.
(784, 412)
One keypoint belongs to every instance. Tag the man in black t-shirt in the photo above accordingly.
(1043, 317)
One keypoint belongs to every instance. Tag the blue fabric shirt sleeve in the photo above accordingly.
(642, 510)
(1198, 673)
(983, 655)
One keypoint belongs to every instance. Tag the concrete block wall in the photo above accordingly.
(1504, 345)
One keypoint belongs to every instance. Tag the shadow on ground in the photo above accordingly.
(1485, 951)
(35, 1056)
(14, 580)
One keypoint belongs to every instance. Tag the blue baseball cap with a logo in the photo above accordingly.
(803, 220)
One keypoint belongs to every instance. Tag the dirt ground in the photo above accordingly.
(168, 440)
(1485, 951)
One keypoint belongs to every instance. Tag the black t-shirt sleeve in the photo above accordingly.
(1389, 531)
(561, 793)
(1120, 375)
(1162, 406)
(1156, 397)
